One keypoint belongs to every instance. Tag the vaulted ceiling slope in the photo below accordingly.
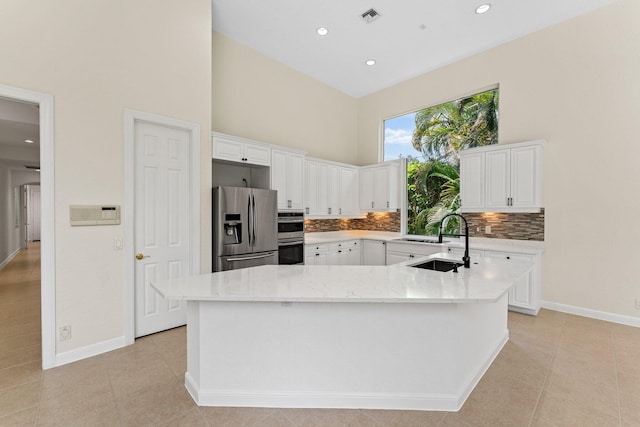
(407, 37)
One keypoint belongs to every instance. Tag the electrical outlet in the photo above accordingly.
(64, 333)
(487, 229)
(637, 303)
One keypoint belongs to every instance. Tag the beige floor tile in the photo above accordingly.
(571, 404)
(526, 364)
(23, 418)
(95, 407)
(192, 418)
(363, 420)
(499, 401)
(154, 405)
(321, 417)
(630, 410)
(393, 418)
(230, 417)
(131, 379)
(19, 398)
(20, 374)
(83, 377)
(277, 419)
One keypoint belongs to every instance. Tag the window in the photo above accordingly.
(430, 139)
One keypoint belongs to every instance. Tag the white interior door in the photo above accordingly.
(33, 213)
(162, 223)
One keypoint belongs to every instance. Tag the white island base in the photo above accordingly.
(425, 356)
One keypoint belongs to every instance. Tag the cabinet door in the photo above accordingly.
(498, 175)
(472, 181)
(257, 154)
(381, 188)
(526, 180)
(374, 252)
(279, 176)
(348, 191)
(397, 257)
(366, 190)
(353, 256)
(521, 293)
(225, 149)
(311, 184)
(333, 183)
(310, 258)
(295, 174)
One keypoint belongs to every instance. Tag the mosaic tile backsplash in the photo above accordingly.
(515, 226)
(375, 221)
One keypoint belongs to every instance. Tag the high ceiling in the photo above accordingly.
(408, 38)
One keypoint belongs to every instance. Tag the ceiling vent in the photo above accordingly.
(370, 15)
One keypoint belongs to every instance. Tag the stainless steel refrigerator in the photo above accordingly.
(245, 227)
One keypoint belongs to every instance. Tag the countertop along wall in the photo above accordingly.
(96, 59)
(576, 85)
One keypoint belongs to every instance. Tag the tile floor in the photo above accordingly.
(556, 370)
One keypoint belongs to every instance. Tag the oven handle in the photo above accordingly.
(296, 242)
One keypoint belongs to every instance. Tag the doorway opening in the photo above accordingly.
(26, 159)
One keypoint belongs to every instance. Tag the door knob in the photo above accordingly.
(140, 256)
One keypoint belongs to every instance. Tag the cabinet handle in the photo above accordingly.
(340, 211)
(339, 252)
(288, 203)
(371, 205)
(329, 211)
(307, 211)
(410, 255)
(384, 243)
(508, 257)
(387, 204)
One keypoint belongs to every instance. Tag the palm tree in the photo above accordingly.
(441, 132)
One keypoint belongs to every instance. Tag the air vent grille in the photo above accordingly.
(370, 15)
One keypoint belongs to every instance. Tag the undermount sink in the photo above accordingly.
(439, 265)
(414, 239)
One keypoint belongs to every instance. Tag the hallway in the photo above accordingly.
(20, 337)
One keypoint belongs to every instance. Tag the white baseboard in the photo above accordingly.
(9, 258)
(89, 351)
(594, 314)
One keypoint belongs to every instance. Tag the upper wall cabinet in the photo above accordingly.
(235, 149)
(379, 187)
(287, 177)
(330, 189)
(502, 178)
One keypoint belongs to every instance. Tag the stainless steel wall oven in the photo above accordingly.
(290, 238)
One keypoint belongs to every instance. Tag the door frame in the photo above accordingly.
(131, 117)
(47, 225)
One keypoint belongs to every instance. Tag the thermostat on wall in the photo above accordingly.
(94, 214)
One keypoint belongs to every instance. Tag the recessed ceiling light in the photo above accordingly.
(370, 62)
(483, 8)
(28, 141)
(322, 31)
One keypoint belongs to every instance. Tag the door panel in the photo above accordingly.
(265, 223)
(162, 223)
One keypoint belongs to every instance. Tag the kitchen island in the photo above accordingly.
(388, 337)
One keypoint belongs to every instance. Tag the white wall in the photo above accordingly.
(256, 97)
(576, 85)
(96, 59)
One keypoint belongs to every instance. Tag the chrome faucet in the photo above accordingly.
(465, 259)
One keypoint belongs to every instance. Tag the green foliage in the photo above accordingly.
(441, 132)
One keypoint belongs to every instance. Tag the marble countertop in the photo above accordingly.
(486, 281)
(478, 243)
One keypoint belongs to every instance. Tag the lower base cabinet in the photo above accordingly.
(315, 254)
(374, 252)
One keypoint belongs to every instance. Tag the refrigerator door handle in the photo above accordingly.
(249, 218)
(247, 258)
(255, 214)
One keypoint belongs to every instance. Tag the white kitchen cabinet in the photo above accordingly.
(374, 252)
(235, 149)
(401, 252)
(379, 187)
(459, 253)
(344, 253)
(330, 189)
(502, 178)
(315, 254)
(524, 296)
(287, 177)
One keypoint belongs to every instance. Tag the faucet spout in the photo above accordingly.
(465, 259)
